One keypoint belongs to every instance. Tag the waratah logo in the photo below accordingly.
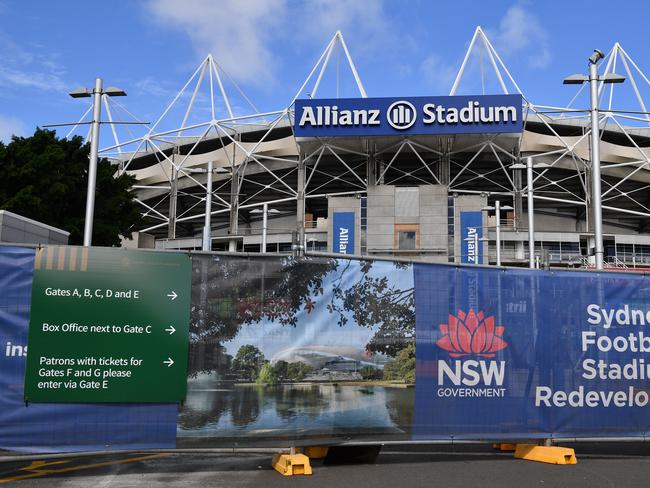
(471, 333)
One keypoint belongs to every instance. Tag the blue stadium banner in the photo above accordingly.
(471, 224)
(506, 355)
(479, 114)
(343, 233)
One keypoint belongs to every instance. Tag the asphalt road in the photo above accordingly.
(610, 465)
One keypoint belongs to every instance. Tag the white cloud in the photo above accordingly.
(10, 126)
(154, 87)
(240, 34)
(32, 69)
(236, 32)
(45, 81)
(438, 72)
(521, 33)
(367, 20)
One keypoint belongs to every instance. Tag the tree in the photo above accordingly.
(280, 369)
(370, 373)
(402, 368)
(45, 178)
(268, 375)
(298, 370)
(248, 362)
(375, 301)
(237, 291)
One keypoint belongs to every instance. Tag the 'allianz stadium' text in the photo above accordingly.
(473, 113)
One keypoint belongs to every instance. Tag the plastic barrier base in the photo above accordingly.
(505, 446)
(315, 452)
(291, 464)
(546, 454)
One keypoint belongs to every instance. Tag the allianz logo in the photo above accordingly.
(402, 115)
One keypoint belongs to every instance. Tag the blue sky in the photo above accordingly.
(150, 48)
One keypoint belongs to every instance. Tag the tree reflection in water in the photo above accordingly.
(245, 405)
(210, 409)
(294, 400)
(400, 405)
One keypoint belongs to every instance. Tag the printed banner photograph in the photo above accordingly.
(299, 349)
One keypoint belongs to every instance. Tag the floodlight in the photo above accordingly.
(114, 92)
(80, 92)
(612, 78)
(577, 79)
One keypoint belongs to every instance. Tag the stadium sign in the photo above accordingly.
(343, 233)
(480, 114)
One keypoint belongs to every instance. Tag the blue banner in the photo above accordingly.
(505, 355)
(471, 235)
(478, 114)
(55, 427)
(343, 233)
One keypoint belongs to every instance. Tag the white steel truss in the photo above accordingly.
(260, 161)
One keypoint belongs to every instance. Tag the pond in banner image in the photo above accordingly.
(215, 411)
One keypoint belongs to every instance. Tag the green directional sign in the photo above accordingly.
(108, 325)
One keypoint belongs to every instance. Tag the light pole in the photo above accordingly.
(497, 208)
(529, 166)
(96, 93)
(265, 212)
(596, 197)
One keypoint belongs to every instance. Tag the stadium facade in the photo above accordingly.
(401, 195)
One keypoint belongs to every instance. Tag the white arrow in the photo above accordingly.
(169, 362)
(172, 295)
(171, 330)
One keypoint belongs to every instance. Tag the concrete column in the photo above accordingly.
(443, 172)
(518, 198)
(173, 197)
(371, 169)
(300, 205)
(234, 208)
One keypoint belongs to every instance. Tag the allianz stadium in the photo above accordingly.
(406, 194)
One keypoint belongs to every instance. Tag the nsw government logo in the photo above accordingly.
(473, 340)
(401, 115)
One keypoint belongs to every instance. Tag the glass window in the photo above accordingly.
(406, 240)
(284, 247)
(570, 247)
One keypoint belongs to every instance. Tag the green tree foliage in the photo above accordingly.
(235, 292)
(268, 375)
(402, 368)
(229, 297)
(370, 373)
(297, 371)
(280, 369)
(375, 301)
(45, 178)
(248, 362)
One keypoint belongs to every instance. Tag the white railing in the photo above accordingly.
(615, 262)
